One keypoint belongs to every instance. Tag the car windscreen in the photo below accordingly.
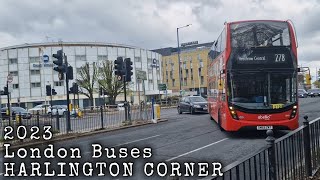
(18, 109)
(197, 99)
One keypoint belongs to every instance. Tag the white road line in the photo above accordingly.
(130, 142)
(196, 150)
(137, 140)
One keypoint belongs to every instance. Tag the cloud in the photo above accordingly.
(150, 24)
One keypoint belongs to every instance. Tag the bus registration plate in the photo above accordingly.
(264, 127)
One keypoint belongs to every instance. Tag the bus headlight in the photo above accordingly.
(233, 113)
(293, 112)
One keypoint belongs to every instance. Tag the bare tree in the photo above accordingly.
(109, 82)
(86, 81)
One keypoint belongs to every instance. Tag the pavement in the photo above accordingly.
(183, 138)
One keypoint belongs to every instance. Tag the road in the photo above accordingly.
(183, 138)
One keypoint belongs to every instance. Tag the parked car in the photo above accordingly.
(302, 93)
(42, 108)
(62, 110)
(314, 92)
(16, 110)
(192, 104)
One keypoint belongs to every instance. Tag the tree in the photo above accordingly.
(316, 84)
(86, 81)
(109, 82)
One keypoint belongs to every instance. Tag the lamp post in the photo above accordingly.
(179, 55)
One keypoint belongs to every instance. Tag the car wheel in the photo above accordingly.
(191, 110)
(179, 110)
(64, 114)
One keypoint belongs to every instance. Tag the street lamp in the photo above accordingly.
(179, 55)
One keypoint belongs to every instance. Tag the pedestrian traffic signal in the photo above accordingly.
(118, 67)
(53, 92)
(128, 69)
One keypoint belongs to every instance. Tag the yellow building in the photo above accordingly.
(193, 60)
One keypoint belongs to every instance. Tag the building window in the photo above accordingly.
(184, 65)
(34, 59)
(199, 70)
(149, 61)
(173, 82)
(102, 57)
(137, 59)
(35, 72)
(58, 83)
(80, 58)
(202, 80)
(35, 85)
(14, 73)
(185, 82)
(150, 81)
(13, 61)
(15, 86)
(187, 72)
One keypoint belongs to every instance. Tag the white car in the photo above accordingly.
(121, 107)
(41, 108)
(62, 110)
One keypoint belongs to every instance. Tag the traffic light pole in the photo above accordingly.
(125, 98)
(68, 124)
(8, 98)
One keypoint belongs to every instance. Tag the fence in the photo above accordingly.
(293, 156)
(102, 118)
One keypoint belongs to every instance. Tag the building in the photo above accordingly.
(31, 67)
(193, 59)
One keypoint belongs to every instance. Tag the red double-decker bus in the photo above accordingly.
(252, 76)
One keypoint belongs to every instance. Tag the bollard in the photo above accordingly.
(129, 113)
(306, 146)
(271, 155)
(57, 120)
(101, 116)
(38, 119)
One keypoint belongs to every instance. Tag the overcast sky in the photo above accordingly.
(152, 24)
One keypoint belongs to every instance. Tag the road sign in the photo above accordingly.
(162, 87)
(141, 75)
(9, 78)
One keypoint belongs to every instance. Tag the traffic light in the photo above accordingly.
(48, 90)
(128, 68)
(70, 72)
(74, 89)
(59, 57)
(53, 92)
(118, 67)
(5, 91)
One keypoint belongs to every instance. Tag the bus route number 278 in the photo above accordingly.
(280, 58)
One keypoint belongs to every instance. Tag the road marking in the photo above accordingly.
(137, 140)
(196, 150)
(131, 142)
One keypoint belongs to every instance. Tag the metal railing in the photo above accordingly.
(293, 156)
(97, 119)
